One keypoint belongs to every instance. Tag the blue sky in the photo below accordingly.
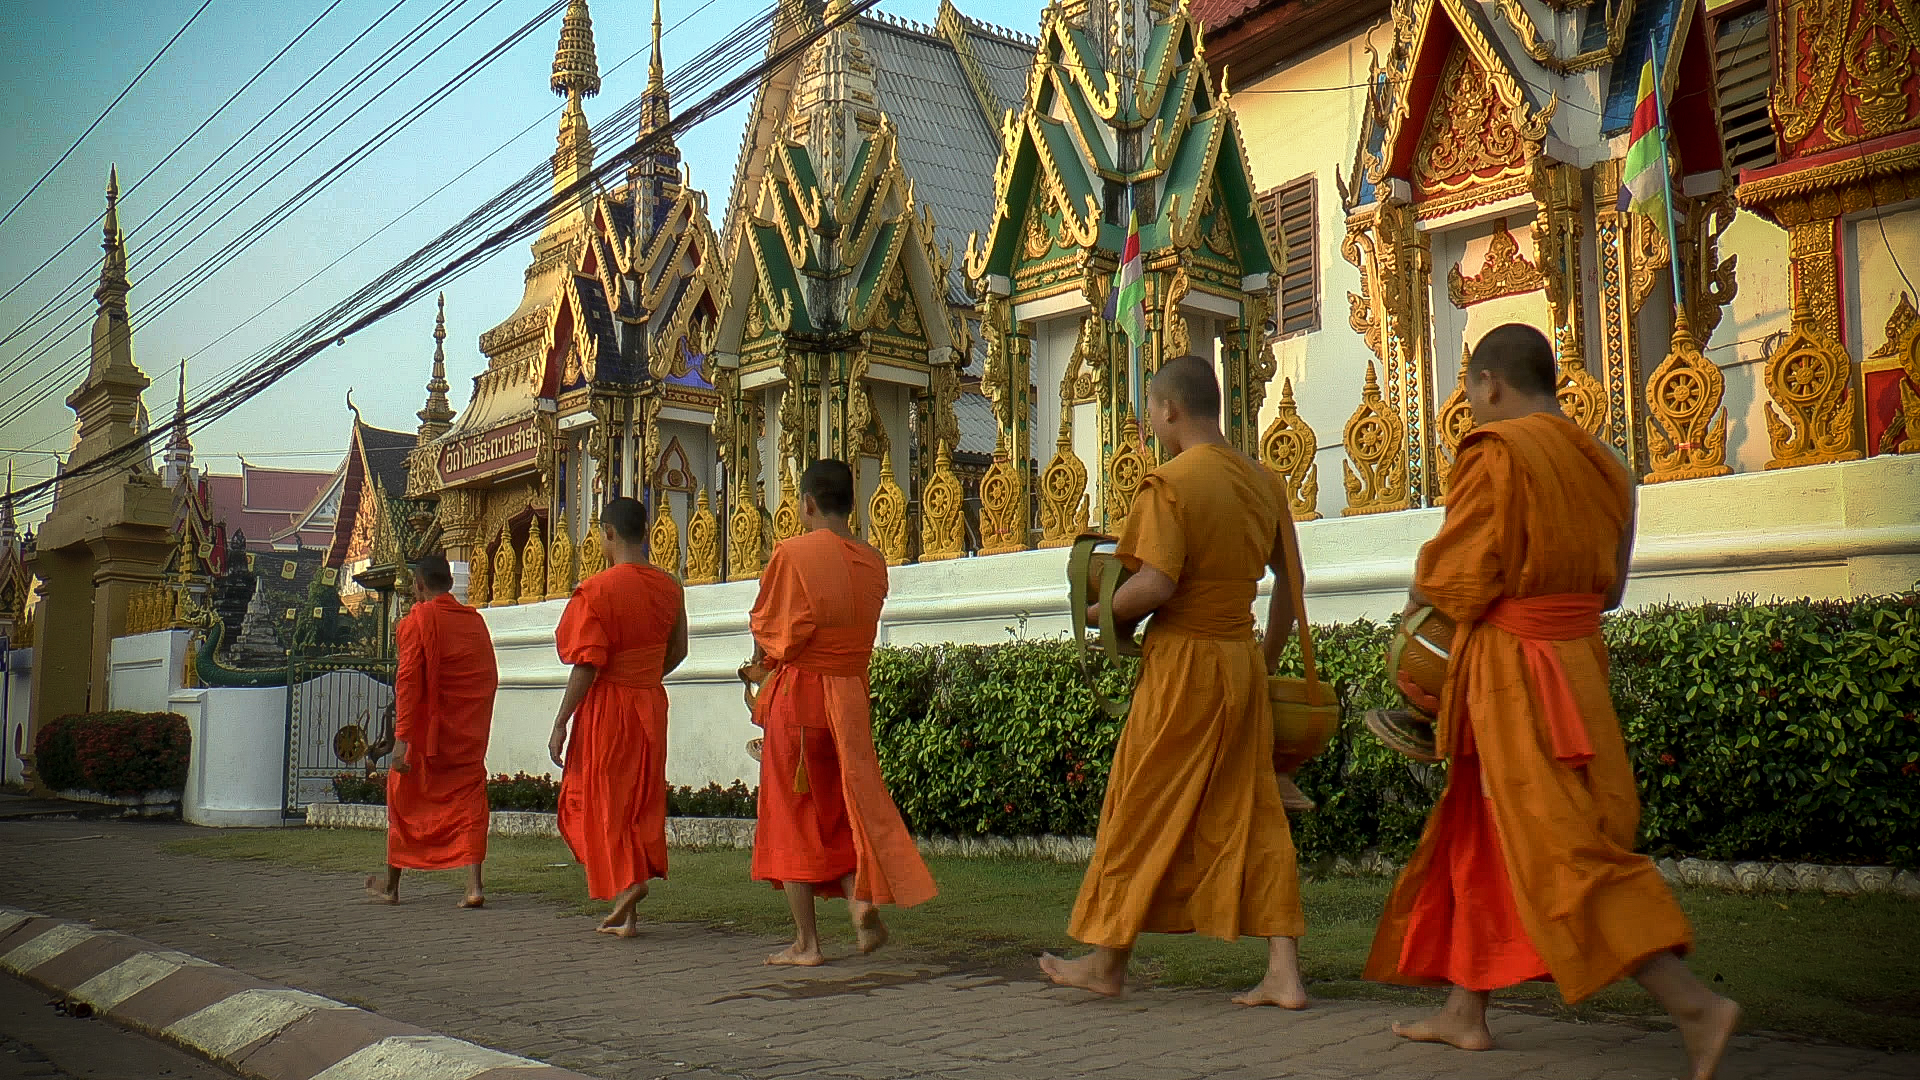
(62, 61)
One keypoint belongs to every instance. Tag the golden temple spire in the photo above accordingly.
(836, 90)
(7, 531)
(437, 417)
(655, 104)
(576, 75)
(576, 69)
(112, 292)
(656, 75)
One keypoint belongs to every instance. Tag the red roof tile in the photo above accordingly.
(1214, 14)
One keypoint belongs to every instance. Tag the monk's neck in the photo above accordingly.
(1194, 440)
(838, 527)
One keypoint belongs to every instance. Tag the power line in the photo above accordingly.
(277, 365)
(103, 113)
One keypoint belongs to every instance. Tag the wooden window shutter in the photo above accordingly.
(1288, 213)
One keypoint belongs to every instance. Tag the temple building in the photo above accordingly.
(1448, 166)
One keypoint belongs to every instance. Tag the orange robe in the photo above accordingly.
(613, 791)
(824, 808)
(1526, 869)
(443, 711)
(1193, 836)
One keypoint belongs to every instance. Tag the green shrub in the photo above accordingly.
(1758, 731)
(114, 753)
(541, 794)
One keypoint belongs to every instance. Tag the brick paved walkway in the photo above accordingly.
(695, 1004)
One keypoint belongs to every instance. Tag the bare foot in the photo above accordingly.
(1445, 1027)
(378, 892)
(869, 931)
(1282, 993)
(1082, 975)
(795, 956)
(474, 902)
(1706, 1035)
(628, 927)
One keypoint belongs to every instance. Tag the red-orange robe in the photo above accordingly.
(613, 791)
(824, 809)
(1527, 869)
(1193, 837)
(443, 711)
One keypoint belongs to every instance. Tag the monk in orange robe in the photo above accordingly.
(443, 712)
(827, 825)
(624, 629)
(1193, 835)
(1527, 870)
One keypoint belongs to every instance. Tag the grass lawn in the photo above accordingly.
(1842, 969)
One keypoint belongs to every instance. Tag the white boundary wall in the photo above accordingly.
(1826, 531)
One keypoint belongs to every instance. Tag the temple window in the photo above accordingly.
(1288, 214)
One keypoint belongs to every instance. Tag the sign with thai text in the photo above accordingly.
(490, 453)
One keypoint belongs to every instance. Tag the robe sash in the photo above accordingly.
(1540, 622)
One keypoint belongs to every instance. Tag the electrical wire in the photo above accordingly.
(104, 112)
(277, 365)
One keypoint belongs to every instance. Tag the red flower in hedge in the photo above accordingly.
(1666, 758)
(1910, 768)
(1777, 645)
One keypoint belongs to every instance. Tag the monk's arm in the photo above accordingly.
(578, 683)
(1624, 558)
(1288, 569)
(410, 697)
(1143, 593)
(1460, 571)
(677, 644)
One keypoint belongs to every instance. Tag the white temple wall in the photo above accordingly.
(1831, 531)
(1887, 242)
(1294, 126)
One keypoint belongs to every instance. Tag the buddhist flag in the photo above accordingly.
(1643, 179)
(1130, 299)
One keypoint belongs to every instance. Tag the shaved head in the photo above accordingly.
(830, 483)
(1520, 356)
(1189, 383)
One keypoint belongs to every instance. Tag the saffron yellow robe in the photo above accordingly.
(1526, 869)
(1193, 836)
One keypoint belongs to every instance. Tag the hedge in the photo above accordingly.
(541, 794)
(1759, 731)
(117, 753)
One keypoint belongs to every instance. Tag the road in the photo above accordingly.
(38, 1043)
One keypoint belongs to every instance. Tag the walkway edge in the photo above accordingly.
(258, 1029)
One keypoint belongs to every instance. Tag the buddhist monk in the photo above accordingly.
(624, 629)
(1527, 870)
(827, 826)
(443, 713)
(1193, 837)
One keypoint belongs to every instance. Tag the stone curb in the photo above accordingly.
(737, 833)
(257, 1029)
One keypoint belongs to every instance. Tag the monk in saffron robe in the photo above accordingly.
(1193, 835)
(1527, 870)
(827, 826)
(443, 712)
(624, 630)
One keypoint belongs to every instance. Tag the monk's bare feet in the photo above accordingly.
(1083, 974)
(869, 931)
(1706, 1034)
(795, 956)
(1446, 1026)
(623, 920)
(1284, 993)
(473, 901)
(379, 893)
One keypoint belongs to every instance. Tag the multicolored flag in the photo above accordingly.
(1643, 178)
(1130, 299)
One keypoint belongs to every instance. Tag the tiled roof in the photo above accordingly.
(947, 145)
(387, 456)
(979, 431)
(265, 503)
(1214, 14)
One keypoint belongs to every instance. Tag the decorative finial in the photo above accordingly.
(437, 418)
(655, 104)
(576, 69)
(112, 293)
(656, 75)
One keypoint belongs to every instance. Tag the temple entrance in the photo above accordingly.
(337, 706)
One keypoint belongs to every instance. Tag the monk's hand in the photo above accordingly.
(557, 745)
(1093, 614)
(399, 764)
